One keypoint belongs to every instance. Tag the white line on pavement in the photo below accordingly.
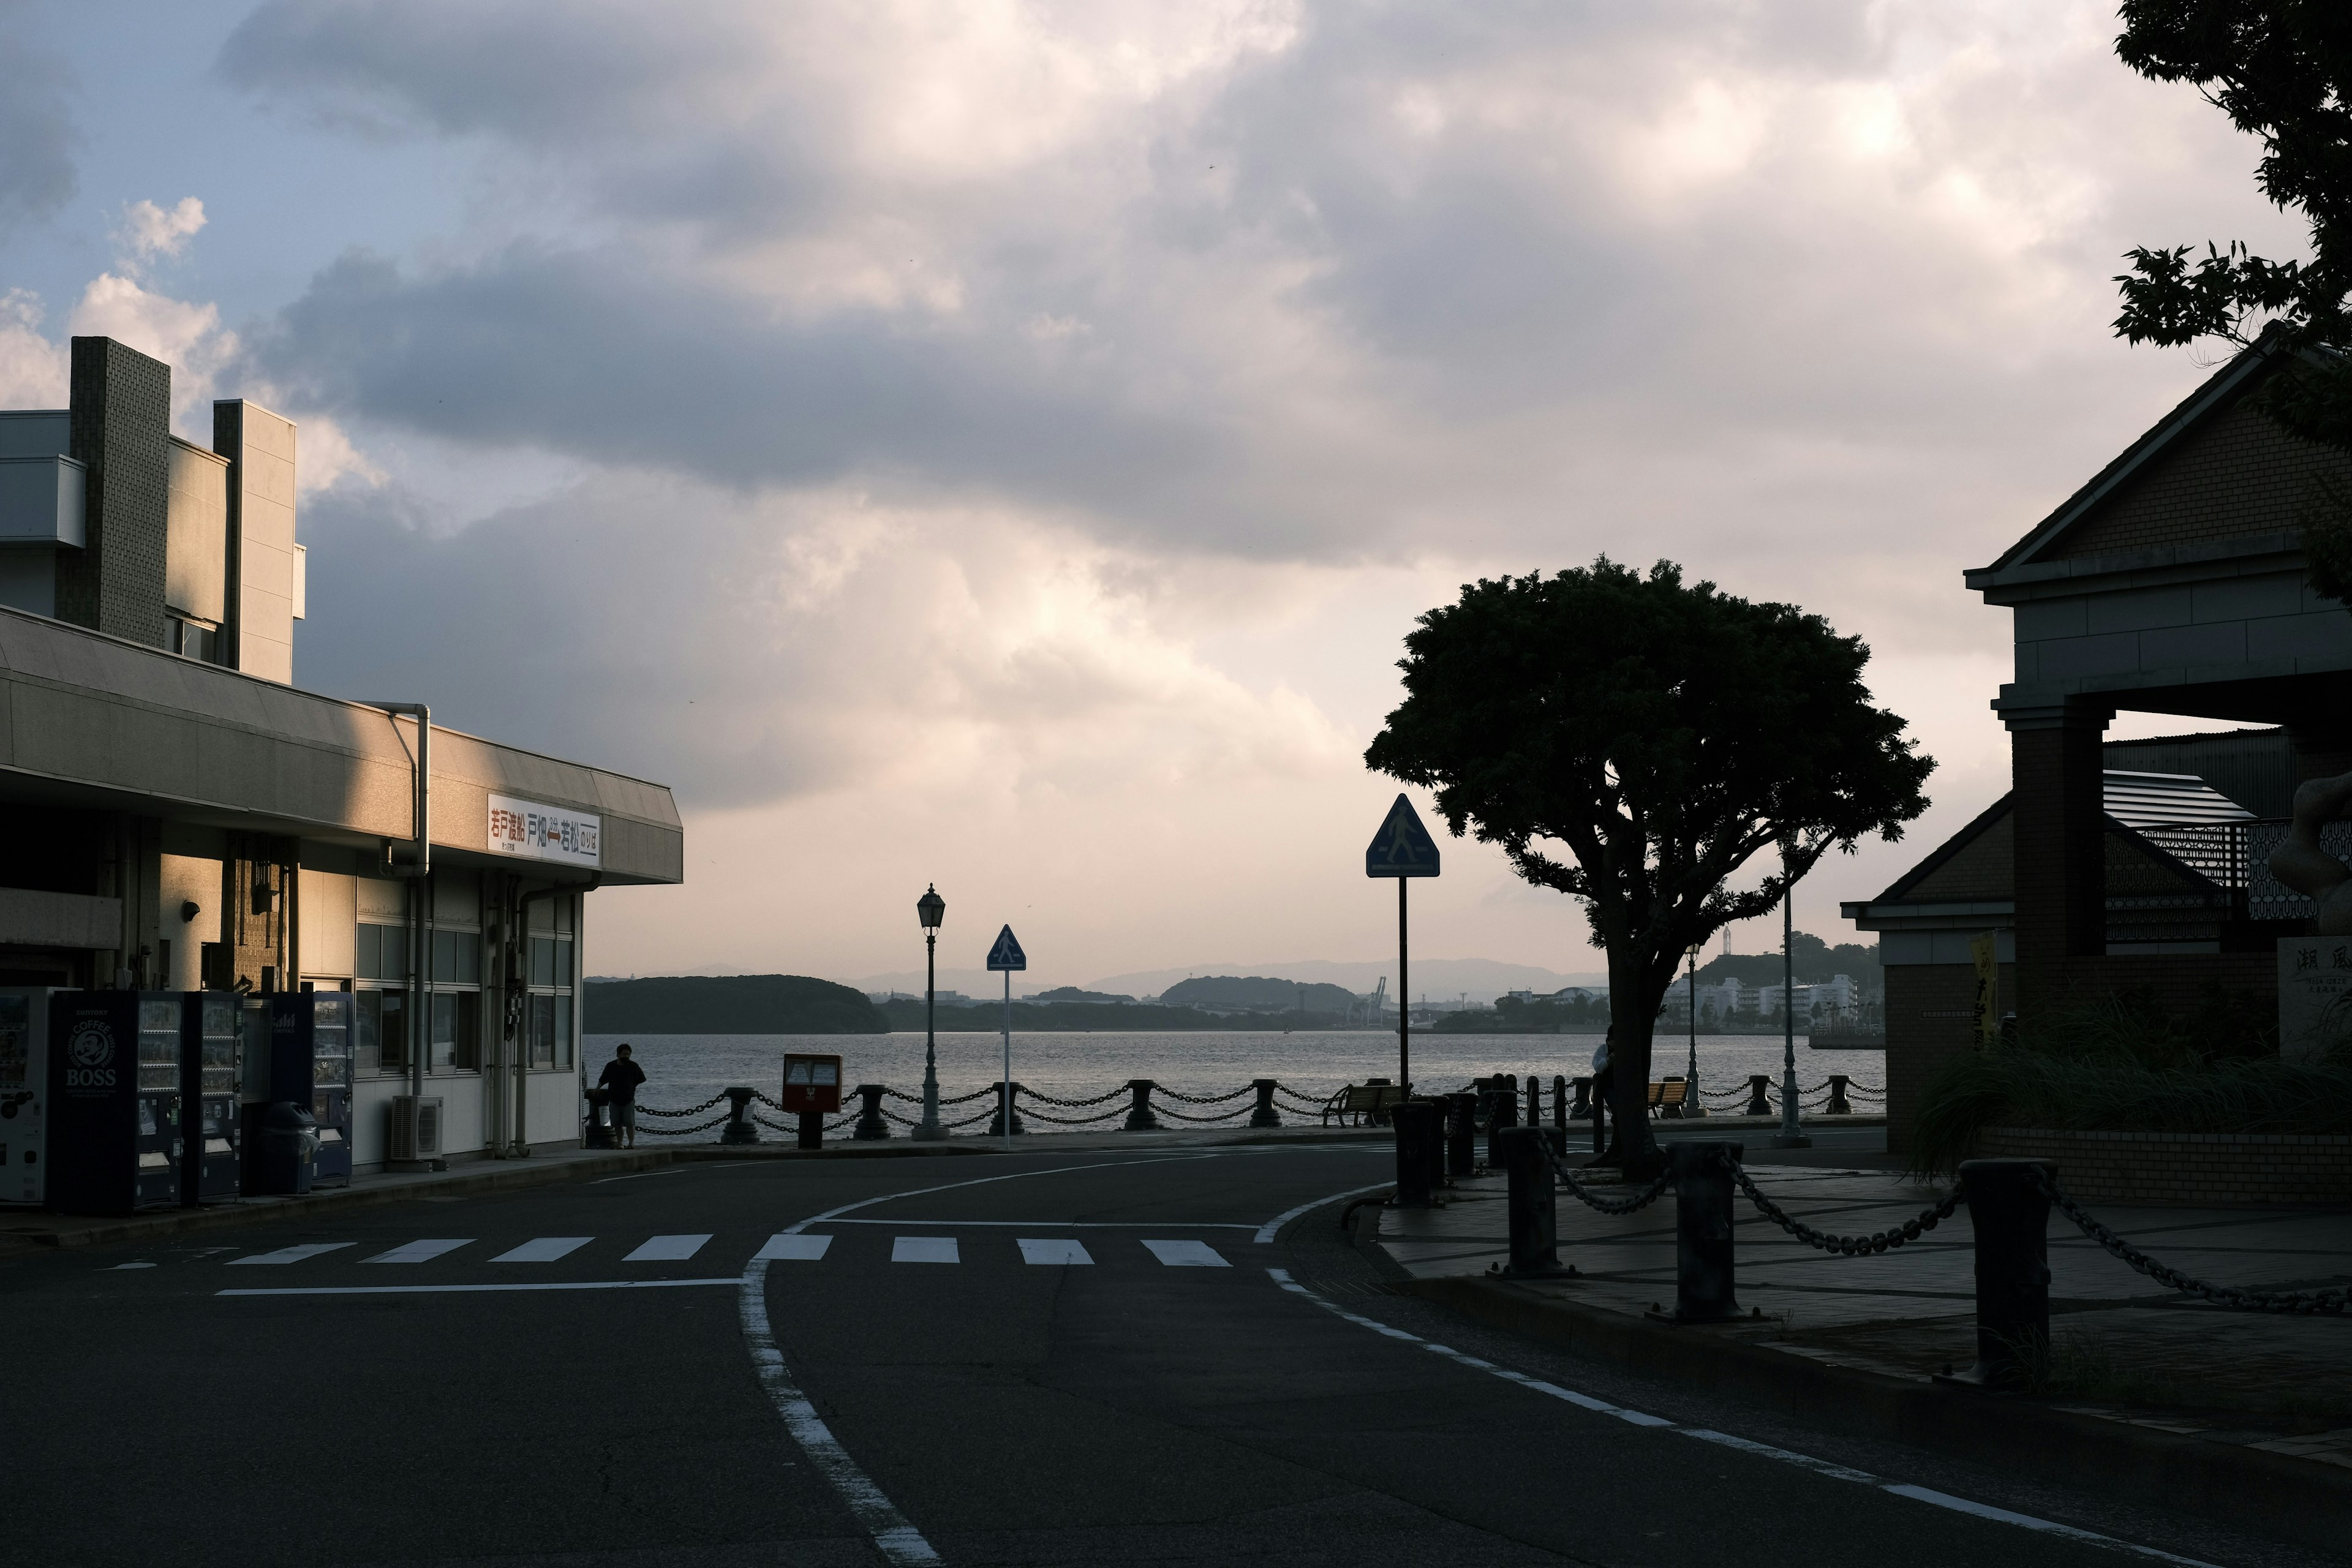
(419, 1251)
(1186, 1254)
(1053, 1249)
(1265, 1232)
(668, 1250)
(1067, 1224)
(1763, 1450)
(793, 1249)
(544, 1249)
(1009, 1176)
(924, 1249)
(291, 1253)
(471, 1290)
(898, 1540)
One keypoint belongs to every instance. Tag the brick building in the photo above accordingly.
(2175, 582)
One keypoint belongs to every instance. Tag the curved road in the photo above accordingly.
(1081, 1358)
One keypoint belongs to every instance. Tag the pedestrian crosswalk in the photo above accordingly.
(788, 1247)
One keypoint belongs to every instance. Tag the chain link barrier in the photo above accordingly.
(1848, 1245)
(1593, 1200)
(691, 1110)
(1068, 1104)
(1201, 1099)
(1214, 1116)
(1034, 1114)
(2230, 1296)
(685, 1131)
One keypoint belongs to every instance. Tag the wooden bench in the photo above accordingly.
(1667, 1099)
(1363, 1102)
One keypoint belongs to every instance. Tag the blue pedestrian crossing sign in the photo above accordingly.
(1402, 848)
(1006, 954)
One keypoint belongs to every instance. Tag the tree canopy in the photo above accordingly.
(2282, 71)
(1633, 741)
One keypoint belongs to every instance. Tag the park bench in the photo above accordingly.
(1362, 1103)
(1667, 1099)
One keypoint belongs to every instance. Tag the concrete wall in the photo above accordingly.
(188, 880)
(259, 446)
(195, 544)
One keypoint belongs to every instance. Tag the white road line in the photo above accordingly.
(419, 1251)
(1186, 1254)
(792, 1249)
(291, 1253)
(668, 1250)
(544, 1249)
(924, 1249)
(898, 1540)
(1265, 1232)
(1067, 1224)
(834, 1214)
(1053, 1249)
(477, 1289)
(1763, 1450)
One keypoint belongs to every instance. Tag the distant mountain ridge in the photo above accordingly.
(726, 1005)
(1258, 994)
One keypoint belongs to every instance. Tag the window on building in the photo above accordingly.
(548, 1014)
(380, 1020)
(381, 952)
(456, 1031)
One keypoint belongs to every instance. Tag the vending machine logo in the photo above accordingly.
(89, 1054)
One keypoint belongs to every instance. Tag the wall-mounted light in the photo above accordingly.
(190, 911)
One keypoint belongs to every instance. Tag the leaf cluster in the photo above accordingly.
(1632, 739)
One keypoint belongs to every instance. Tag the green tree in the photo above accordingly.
(1633, 742)
(2282, 71)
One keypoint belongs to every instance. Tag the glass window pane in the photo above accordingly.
(445, 1034)
(542, 1031)
(367, 1025)
(542, 961)
(363, 960)
(467, 970)
(467, 1054)
(392, 1043)
(563, 1031)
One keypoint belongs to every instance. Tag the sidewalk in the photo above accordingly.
(2126, 1353)
(23, 1230)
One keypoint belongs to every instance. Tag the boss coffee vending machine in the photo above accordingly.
(210, 1160)
(115, 1137)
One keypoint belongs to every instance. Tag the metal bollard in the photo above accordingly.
(599, 1134)
(1703, 1212)
(1502, 1115)
(1138, 1116)
(1559, 1103)
(812, 1131)
(1535, 1100)
(870, 1122)
(2012, 1221)
(739, 1127)
(1418, 1150)
(1583, 1105)
(1462, 1135)
(1534, 1220)
(1265, 1115)
(996, 1124)
(1838, 1106)
(1758, 1103)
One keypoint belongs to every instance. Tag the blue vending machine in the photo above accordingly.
(311, 1064)
(115, 1136)
(209, 1165)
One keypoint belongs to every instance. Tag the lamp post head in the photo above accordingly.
(930, 909)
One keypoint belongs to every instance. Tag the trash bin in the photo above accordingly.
(289, 1148)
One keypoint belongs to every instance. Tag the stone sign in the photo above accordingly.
(2315, 981)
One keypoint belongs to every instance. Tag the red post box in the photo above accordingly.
(812, 1084)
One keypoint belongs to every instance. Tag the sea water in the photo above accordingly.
(687, 1070)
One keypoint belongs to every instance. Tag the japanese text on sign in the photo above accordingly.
(539, 832)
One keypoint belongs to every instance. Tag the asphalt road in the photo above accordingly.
(1082, 1358)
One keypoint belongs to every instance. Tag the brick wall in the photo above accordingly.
(2199, 1168)
(2239, 474)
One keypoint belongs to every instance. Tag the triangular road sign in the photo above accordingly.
(1007, 953)
(1402, 848)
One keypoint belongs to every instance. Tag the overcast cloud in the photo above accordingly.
(1004, 444)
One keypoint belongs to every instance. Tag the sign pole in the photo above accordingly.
(1404, 999)
(1008, 1061)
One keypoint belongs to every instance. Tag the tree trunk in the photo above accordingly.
(1632, 1018)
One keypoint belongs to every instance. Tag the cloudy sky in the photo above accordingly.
(1002, 444)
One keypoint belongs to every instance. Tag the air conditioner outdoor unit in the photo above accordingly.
(415, 1130)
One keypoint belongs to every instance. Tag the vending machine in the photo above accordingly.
(115, 1142)
(311, 1064)
(24, 1094)
(210, 1164)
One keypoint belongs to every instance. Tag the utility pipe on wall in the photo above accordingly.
(417, 866)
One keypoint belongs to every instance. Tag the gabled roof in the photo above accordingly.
(2219, 391)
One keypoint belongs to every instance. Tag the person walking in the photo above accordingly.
(619, 1080)
(1604, 1078)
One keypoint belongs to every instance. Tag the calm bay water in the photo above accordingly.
(686, 1070)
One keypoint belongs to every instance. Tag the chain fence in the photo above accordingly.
(1622, 1205)
(1848, 1245)
(2230, 1296)
(685, 1131)
(690, 1111)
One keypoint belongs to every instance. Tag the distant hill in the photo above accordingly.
(1077, 994)
(1257, 994)
(1815, 960)
(726, 1005)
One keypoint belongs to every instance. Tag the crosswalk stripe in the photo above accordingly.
(924, 1249)
(292, 1253)
(790, 1249)
(420, 1251)
(1187, 1254)
(544, 1249)
(1052, 1250)
(668, 1250)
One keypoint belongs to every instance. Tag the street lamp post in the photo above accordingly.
(930, 909)
(1793, 1132)
(1691, 1103)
